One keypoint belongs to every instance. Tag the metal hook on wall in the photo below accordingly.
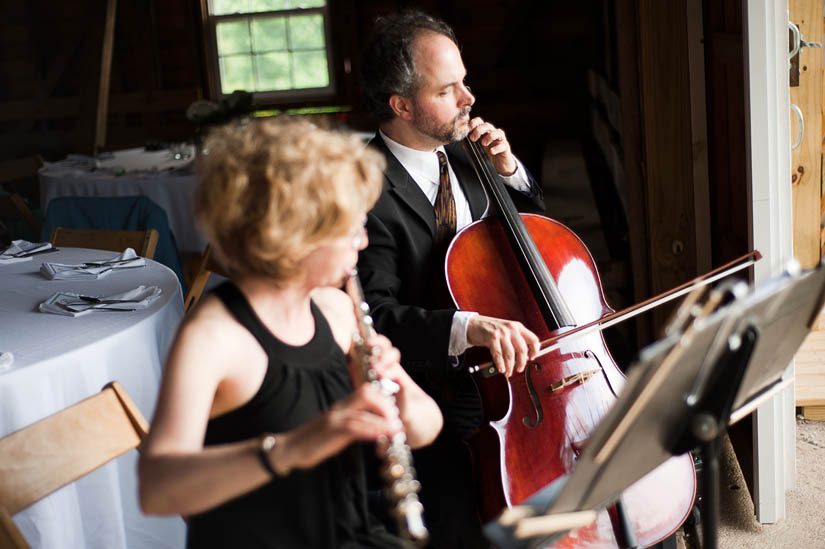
(800, 127)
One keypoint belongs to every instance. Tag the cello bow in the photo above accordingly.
(551, 344)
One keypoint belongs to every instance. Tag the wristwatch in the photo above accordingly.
(266, 442)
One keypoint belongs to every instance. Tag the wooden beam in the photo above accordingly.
(105, 75)
(627, 56)
(699, 135)
(67, 107)
(668, 141)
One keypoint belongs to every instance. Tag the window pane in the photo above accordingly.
(306, 32)
(237, 73)
(308, 3)
(225, 7)
(269, 33)
(233, 37)
(273, 71)
(310, 69)
(270, 5)
(222, 7)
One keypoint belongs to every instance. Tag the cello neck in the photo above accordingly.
(553, 308)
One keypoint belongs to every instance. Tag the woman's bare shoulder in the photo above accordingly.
(210, 327)
(339, 312)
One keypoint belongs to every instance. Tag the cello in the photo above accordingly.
(535, 270)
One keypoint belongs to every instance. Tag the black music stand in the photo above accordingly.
(681, 395)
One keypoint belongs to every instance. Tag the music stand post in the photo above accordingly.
(709, 422)
(681, 395)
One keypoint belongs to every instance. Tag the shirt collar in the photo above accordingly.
(423, 164)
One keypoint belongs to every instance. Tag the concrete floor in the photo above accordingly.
(804, 525)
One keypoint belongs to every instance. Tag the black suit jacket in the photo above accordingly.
(400, 270)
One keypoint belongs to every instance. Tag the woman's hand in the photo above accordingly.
(364, 415)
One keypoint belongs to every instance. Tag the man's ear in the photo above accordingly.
(401, 106)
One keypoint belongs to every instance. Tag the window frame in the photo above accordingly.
(272, 97)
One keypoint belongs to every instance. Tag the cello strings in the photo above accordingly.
(550, 294)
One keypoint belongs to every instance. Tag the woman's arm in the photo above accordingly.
(193, 482)
(178, 475)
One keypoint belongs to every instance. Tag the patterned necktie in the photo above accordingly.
(444, 206)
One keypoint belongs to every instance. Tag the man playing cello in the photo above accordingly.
(414, 80)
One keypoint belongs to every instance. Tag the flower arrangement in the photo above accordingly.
(204, 113)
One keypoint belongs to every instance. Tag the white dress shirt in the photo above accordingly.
(423, 168)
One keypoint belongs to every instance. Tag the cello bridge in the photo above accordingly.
(575, 379)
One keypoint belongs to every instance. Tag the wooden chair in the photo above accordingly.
(12, 207)
(20, 168)
(45, 456)
(208, 265)
(144, 242)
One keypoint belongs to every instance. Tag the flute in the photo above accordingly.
(397, 470)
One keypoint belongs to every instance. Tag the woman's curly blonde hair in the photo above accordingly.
(273, 190)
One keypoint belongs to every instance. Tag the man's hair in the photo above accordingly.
(387, 65)
(271, 191)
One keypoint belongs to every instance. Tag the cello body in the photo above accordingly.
(537, 422)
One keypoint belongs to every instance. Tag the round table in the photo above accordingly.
(60, 360)
(171, 190)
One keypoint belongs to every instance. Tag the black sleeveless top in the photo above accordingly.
(325, 506)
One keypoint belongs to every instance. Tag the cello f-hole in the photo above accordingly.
(534, 397)
(592, 355)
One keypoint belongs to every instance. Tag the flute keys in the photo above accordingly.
(395, 470)
(404, 487)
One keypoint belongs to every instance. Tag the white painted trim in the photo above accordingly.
(767, 98)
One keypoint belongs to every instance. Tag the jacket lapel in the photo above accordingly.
(405, 187)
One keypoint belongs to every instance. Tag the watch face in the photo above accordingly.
(268, 442)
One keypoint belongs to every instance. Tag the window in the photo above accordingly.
(276, 48)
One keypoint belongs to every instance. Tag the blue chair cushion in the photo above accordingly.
(127, 213)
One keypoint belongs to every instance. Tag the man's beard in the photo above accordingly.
(445, 133)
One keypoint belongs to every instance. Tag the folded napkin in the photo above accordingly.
(6, 360)
(73, 304)
(23, 250)
(139, 159)
(74, 162)
(93, 269)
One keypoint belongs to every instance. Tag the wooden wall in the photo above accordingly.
(676, 144)
(50, 64)
(527, 63)
(728, 172)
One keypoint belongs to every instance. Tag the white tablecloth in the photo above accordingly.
(171, 190)
(60, 360)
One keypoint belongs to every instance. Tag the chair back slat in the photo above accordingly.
(144, 242)
(12, 206)
(19, 168)
(208, 265)
(47, 455)
(10, 536)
